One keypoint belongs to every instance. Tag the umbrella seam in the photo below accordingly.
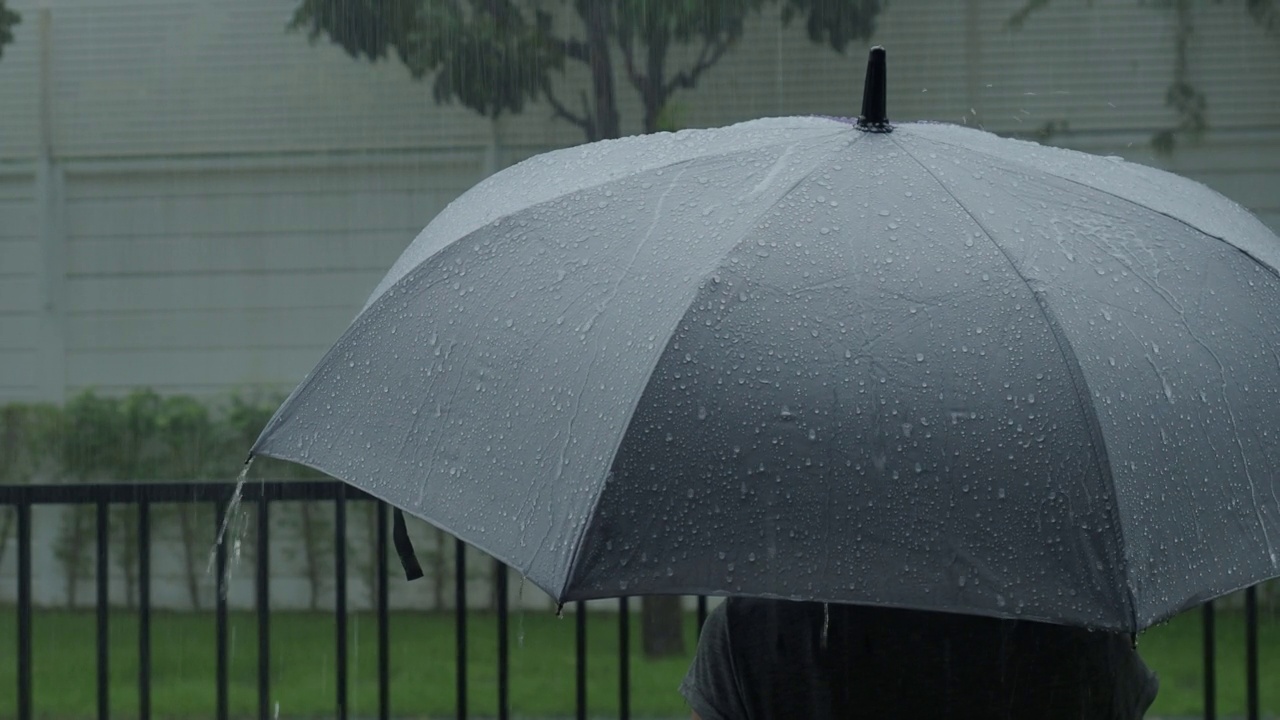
(578, 544)
(841, 127)
(1078, 382)
(1109, 193)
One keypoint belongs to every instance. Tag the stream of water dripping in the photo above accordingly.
(237, 521)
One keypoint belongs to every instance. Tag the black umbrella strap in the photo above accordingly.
(404, 548)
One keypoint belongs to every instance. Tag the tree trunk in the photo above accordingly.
(662, 622)
(439, 569)
(71, 548)
(370, 570)
(8, 516)
(654, 96)
(186, 528)
(124, 532)
(604, 123)
(310, 553)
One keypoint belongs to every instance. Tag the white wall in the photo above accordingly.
(20, 265)
(194, 199)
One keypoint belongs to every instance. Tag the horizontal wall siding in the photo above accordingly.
(18, 370)
(19, 296)
(17, 207)
(208, 329)
(248, 252)
(300, 289)
(185, 279)
(20, 87)
(1093, 66)
(21, 267)
(181, 77)
(1236, 65)
(1243, 166)
(19, 257)
(197, 371)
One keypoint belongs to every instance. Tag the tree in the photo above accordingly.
(89, 443)
(27, 431)
(496, 56)
(8, 19)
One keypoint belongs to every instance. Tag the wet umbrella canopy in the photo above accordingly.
(919, 366)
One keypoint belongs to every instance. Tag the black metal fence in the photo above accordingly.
(143, 496)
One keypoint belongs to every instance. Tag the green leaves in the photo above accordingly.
(142, 436)
(1266, 13)
(835, 22)
(489, 56)
(361, 27)
(496, 56)
(8, 19)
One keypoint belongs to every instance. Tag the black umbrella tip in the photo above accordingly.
(874, 116)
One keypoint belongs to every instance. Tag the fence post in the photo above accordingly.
(24, 609)
(340, 595)
(460, 622)
(104, 678)
(580, 659)
(220, 609)
(504, 660)
(144, 609)
(624, 659)
(1251, 652)
(263, 603)
(384, 652)
(1210, 652)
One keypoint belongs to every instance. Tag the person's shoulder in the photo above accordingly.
(744, 612)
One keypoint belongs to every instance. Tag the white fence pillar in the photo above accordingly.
(51, 349)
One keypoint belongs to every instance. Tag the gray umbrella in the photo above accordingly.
(809, 358)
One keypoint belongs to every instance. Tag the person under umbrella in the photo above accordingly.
(761, 659)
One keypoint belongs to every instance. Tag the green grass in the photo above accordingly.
(422, 653)
(1175, 651)
(302, 665)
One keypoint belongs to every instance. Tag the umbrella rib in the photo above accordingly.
(978, 151)
(1074, 371)
(577, 555)
(1262, 525)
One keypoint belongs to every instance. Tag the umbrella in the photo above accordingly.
(815, 358)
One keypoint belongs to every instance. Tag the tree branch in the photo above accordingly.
(576, 50)
(712, 51)
(561, 111)
(638, 81)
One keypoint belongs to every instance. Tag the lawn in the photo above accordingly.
(423, 673)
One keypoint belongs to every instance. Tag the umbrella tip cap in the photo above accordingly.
(874, 116)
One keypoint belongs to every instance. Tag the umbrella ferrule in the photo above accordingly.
(874, 117)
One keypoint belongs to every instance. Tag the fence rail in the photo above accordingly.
(262, 494)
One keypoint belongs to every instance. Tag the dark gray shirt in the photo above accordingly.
(767, 659)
